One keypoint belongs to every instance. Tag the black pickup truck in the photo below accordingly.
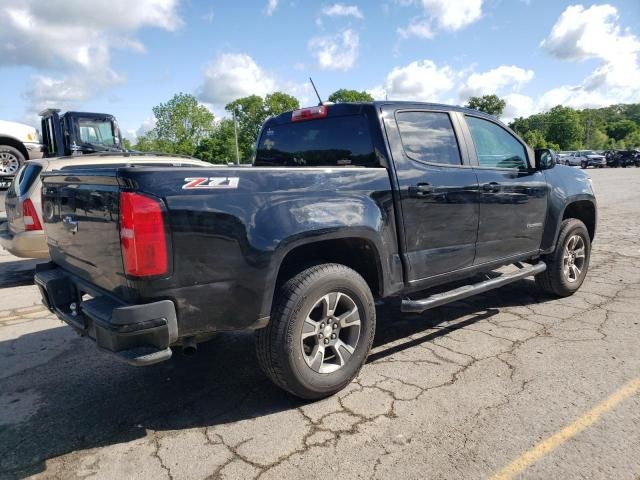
(343, 204)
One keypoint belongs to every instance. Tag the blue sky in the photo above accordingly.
(124, 57)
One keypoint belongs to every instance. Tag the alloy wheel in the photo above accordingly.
(9, 163)
(574, 258)
(331, 332)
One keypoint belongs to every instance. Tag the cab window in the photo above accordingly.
(495, 147)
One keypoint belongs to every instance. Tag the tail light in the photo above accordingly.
(321, 111)
(142, 235)
(30, 216)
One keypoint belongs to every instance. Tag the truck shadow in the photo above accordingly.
(80, 400)
(18, 273)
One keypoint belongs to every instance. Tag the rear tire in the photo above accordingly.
(320, 333)
(11, 159)
(567, 266)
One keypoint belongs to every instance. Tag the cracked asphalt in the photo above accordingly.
(457, 392)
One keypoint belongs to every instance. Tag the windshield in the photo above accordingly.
(328, 142)
(98, 133)
(589, 152)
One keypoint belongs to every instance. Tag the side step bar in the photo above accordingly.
(417, 306)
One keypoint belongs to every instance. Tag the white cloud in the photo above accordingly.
(449, 15)
(594, 33)
(453, 14)
(271, 7)
(209, 16)
(518, 105)
(76, 33)
(341, 10)
(581, 33)
(425, 81)
(147, 126)
(75, 38)
(421, 81)
(418, 27)
(233, 75)
(336, 52)
(497, 80)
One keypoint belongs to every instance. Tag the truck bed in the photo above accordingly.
(228, 230)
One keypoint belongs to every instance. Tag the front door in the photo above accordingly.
(438, 190)
(513, 195)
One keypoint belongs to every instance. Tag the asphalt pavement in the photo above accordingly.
(503, 385)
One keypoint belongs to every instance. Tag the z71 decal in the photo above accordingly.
(210, 182)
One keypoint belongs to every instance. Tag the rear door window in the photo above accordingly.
(429, 137)
(327, 142)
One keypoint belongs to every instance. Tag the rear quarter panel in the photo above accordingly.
(228, 242)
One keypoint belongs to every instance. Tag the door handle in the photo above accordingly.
(492, 187)
(420, 190)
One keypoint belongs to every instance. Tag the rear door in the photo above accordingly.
(513, 194)
(438, 191)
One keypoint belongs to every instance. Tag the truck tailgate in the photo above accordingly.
(81, 220)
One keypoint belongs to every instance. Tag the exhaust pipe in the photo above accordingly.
(189, 346)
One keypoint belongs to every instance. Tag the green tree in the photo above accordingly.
(220, 146)
(491, 104)
(598, 140)
(147, 143)
(633, 140)
(564, 128)
(181, 124)
(344, 95)
(621, 129)
(520, 125)
(250, 115)
(535, 139)
(278, 102)
(252, 111)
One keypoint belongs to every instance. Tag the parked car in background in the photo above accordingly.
(562, 157)
(18, 143)
(589, 158)
(623, 158)
(22, 233)
(571, 159)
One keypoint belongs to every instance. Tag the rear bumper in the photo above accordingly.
(139, 335)
(24, 244)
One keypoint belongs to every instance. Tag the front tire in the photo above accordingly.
(11, 159)
(320, 332)
(567, 266)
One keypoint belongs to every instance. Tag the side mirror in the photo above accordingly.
(545, 159)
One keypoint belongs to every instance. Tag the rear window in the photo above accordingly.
(27, 177)
(327, 142)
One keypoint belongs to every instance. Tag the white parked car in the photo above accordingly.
(567, 158)
(18, 143)
(589, 158)
(22, 234)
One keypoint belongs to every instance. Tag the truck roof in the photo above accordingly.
(357, 107)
